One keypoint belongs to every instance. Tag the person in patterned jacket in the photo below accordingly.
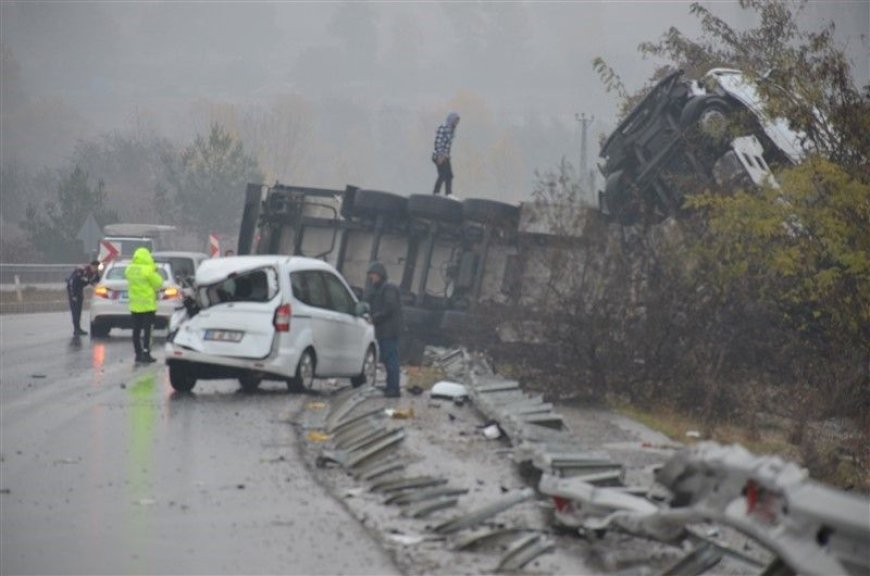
(441, 155)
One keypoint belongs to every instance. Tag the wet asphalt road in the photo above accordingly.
(106, 471)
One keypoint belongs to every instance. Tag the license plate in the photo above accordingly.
(223, 335)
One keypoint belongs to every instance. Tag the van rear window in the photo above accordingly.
(259, 285)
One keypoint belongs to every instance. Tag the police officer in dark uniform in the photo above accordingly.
(75, 291)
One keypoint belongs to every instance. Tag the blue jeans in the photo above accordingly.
(390, 358)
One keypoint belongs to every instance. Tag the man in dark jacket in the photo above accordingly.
(75, 291)
(385, 302)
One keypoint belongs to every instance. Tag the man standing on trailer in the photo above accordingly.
(441, 155)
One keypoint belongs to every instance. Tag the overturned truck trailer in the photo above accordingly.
(447, 256)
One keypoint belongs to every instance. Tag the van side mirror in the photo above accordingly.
(362, 308)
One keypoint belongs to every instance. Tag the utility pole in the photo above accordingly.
(586, 178)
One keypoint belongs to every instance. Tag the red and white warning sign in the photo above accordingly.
(108, 251)
(214, 246)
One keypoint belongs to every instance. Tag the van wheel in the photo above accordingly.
(369, 370)
(250, 382)
(304, 379)
(181, 378)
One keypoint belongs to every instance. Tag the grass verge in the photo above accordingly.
(839, 458)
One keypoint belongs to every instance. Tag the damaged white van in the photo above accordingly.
(275, 318)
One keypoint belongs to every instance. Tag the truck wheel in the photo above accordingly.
(375, 202)
(491, 212)
(181, 378)
(431, 207)
(700, 106)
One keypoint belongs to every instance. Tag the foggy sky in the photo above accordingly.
(104, 66)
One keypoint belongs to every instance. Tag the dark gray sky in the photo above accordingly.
(85, 68)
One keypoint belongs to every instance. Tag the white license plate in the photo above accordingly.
(223, 335)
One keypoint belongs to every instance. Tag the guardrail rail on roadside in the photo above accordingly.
(37, 287)
(35, 274)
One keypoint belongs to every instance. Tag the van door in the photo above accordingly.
(351, 328)
(310, 291)
(237, 316)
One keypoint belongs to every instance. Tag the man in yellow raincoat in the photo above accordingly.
(143, 284)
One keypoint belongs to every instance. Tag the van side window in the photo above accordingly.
(308, 287)
(342, 300)
(299, 287)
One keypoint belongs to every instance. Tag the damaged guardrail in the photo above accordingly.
(809, 527)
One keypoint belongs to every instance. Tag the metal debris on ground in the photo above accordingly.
(451, 362)
(374, 414)
(576, 500)
(364, 438)
(406, 539)
(404, 498)
(352, 434)
(387, 443)
(407, 484)
(481, 536)
(695, 562)
(345, 403)
(424, 509)
(523, 550)
(477, 516)
(380, 468)
(812, 528)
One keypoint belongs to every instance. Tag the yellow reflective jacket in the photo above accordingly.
(143, 281)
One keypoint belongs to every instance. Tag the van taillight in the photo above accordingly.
(282, 318)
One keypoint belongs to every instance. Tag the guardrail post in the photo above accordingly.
(18, 288)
